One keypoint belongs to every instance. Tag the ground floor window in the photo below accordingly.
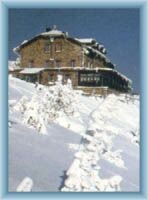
(31, 78)
(47, 63)
(50, 77)
(90, 79)
(31, 63)
(58, 63)
(66, 77)
(73, 63)
(83, 78)
(104, 79)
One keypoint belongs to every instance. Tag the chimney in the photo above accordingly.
(65, 33)
(48, 29)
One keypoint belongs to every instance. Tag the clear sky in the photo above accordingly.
(117, 29)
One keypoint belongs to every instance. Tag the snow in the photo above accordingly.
(31, 70)
(72, 142)
(53, 33)
(26, 185)
(43, 158)
(86, 40)
(101, 46)
(24, 42)
(46, 105)
(15, 50)
(13, 65)
(99, 147)
(89, 41)
(85, 51)
(98, 53)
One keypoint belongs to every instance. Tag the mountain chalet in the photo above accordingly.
(84, 61)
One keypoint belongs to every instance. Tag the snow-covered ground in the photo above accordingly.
(65, 141)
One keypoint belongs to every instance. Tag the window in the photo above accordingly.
(83, 77)
(90, 77)
(31, 63)
(67, 76)
(47, 63)
(73, 63)
(50, 77)
(58, 47)
(58, 63)
(47, 47)
(97, 77)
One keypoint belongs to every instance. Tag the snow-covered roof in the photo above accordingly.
(124, 77)
(24, 42)
(118, 73)
(86, 40)
(53, 33)
(93, 43)
(15, 49)
(86, 51)
(31, 70)
(99, 53)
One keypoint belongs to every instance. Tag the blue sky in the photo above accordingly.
(117, 29)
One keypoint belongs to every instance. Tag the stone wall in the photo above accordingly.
(51, 76)
(35, 52)
(61, 50)
(98, 90)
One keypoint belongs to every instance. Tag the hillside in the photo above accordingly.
(66, 141)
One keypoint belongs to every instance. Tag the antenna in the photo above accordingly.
(54, 27)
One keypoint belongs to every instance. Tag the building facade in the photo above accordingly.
(84, 61)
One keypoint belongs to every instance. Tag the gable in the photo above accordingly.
(45, 38)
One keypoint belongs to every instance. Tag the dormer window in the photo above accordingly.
(51, 39)
(73, 63)
(58, 63)
(47, 47)
(47, 63)
(58, 47)
(31, 63)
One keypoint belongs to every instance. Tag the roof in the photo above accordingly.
(90, 45)
(86, 40)
(97, 52)
(53, 33)
(23, 44)
(31, 70)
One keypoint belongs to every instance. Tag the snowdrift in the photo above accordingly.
(107, 158)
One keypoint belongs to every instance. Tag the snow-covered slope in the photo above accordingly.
(44, 120)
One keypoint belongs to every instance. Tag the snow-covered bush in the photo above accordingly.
(47, 104)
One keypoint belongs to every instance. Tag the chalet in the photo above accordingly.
(84, 61)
